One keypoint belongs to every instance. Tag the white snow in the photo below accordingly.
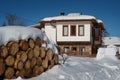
(111, 40)
(99, 21)
(16, 33)
(108, 52)
(100, 53)
(71, 16)
(77, 68)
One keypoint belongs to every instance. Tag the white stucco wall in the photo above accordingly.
(86, 36)
(52, 35)
(50, 32)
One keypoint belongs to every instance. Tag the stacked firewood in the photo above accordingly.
(25, 59)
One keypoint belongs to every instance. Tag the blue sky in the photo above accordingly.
(35, 10)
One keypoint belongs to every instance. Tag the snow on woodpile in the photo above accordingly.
(16, 33)
(25, 52)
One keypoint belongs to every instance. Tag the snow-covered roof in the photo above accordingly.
(99, 21)
(111, 40)
(71, 16)
(16, 33)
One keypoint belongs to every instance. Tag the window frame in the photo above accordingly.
(72, 30)
(68, 50)
(97, 33)
(82, 49)
(64, 31)
(79, 30)
(74, 52)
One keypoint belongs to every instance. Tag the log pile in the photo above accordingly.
(25, 59)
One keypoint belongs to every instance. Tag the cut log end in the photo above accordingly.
(31, 43)
(9, 60)
(9, 73)
(4, 52)
(38, 41)
(23, 45)
(2, 68)
(13, 48)
(36, 51)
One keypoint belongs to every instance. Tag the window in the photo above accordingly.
(81, 30)
(73, 30)
(97, 32)
(65, 30)
(74, 50)
(82, 50)
(67, 50)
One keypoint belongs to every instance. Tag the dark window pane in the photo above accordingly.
(73, 30)
(65, 30)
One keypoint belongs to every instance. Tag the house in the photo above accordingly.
(76, 34)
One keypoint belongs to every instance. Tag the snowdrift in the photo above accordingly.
(109, 52)
(77, 68)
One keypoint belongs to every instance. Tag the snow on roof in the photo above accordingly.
(99, 21)
(16, 33)
(111, 40)
(71, 16)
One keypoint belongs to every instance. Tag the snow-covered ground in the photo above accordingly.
(77, 68)
(104, 67)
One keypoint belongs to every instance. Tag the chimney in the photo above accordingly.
(62, 13)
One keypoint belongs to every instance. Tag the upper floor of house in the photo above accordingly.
(72, 27)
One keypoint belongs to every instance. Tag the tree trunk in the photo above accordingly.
(33, 62)
(27, 64)
(4, 52)
(20, 65)
(39, 61)
(49, 54)
(36, 51)
(42, 52)
(51, 64)
(55, 59)
(37, 70)
(9, 61)
(13, 48)
(45, 63)
(23, 56)
(2, 68)
(21, 73)
(16, 63)
(9, 73)
(23, 45)
(18, 55)
(31, 43)
(38, 41)
(28, 73)
(30, 53)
